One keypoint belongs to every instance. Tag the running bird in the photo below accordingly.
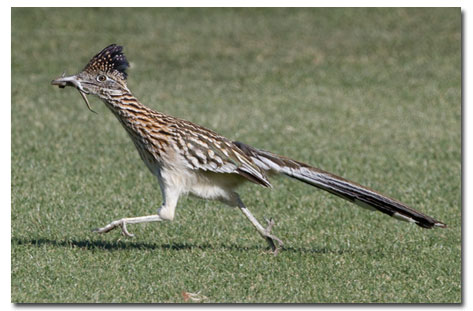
(188, 158)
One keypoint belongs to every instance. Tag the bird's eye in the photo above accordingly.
(101, 78)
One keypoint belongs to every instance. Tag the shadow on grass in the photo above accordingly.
(126, 245)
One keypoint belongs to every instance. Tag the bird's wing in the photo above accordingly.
(206, 150)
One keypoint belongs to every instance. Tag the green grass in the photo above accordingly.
(373, 95)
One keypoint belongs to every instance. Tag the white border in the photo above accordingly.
(5, 121)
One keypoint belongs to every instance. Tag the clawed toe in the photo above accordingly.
(271, 223)
(274, 242)
(115, 224)
(125, 231)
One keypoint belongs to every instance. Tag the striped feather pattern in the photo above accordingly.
(338, 186)
(155, 133)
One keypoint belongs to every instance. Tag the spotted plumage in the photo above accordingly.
(188, 158)
(110, 60)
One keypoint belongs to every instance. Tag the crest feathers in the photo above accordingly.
(110, 60)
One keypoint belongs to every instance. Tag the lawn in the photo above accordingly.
(373, 95)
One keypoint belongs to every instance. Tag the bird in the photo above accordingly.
(190, 159)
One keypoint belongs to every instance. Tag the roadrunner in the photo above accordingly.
(187, 158)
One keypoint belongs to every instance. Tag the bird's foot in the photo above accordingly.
(274, 242)
(115, 224)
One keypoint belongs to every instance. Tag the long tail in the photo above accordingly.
(338, 186)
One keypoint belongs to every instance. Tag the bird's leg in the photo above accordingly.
(274, 242)
(124, 221)
(165, 212)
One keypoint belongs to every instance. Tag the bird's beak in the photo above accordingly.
(64, 81)
(73, 81)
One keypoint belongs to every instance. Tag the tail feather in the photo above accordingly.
(338, 186)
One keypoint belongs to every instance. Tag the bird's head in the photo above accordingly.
(104, 75)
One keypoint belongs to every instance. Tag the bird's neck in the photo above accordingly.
(147, 128)
(125, 106)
